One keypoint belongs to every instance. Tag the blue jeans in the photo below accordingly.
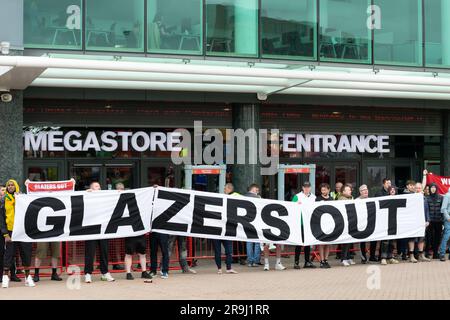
(445, 238)
(227, 244)
(253, 252)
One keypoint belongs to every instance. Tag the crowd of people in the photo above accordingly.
(423, 249)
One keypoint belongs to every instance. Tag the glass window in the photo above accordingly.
(288, 28)
(437, 31)
(399, 38)
(344, 35)
(115, 25)
(175, 26)
(52, 24)
(232, 27)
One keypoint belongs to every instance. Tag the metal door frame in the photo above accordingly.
(189, 171)
(284, 169)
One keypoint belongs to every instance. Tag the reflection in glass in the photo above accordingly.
(175, 26)
(232, 27)
(399, 40)
(288, 28)
(111, 25)
(84, 176)
(52, 24)
(437, 31)
(115, 175)
(375, 176)
(42, 173)
(344, 34)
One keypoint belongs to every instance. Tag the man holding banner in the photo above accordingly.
(90, 248)
(42, 247)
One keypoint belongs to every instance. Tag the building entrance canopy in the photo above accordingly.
(261, 79)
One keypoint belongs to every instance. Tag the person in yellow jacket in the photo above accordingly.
(7, 211)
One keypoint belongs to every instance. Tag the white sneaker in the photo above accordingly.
(87, 278)
(345, 263)
(266, 267)
(351, 262)
(29, 282)
(279, 266)
(5, 281)
(107, 277)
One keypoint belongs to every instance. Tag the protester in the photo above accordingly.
(241, 246)
(445, 209)
(2, 190)
(420, 240)
(384, 189)
(182, 252)
(364, 194)
(7, 211)
(227, 244)
(324, 250)
(388, 245)
(345, 248)
(160, 240)
(402, 244)
(134, 245)
(253, 248)
(337, 190)
(434, 230)
(303, 198)
(41, 253)
(90, 247)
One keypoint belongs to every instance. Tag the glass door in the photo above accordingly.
(373, 174)
(107, 174)
(85, 174)
(43, 170)
(160, 173)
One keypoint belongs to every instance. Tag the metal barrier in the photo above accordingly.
(72, 254)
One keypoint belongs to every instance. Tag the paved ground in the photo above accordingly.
(404, 281)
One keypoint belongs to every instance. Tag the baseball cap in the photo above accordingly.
(306, 184)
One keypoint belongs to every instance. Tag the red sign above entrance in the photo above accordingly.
(296, 170)
(206, 171)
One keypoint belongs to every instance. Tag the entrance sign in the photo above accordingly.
(332, 143)
(74, 216)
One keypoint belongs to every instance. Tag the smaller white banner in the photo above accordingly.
(385, 218)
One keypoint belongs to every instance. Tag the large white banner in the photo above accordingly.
(218, 216)
(71, 216)
(385, 218)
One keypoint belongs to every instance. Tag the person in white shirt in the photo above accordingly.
(304, 197)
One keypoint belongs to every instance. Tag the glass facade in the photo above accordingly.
(175, 26)
(437, 33)
(288, 29)
(232, 27)
(386, 32)
(113, 26)
(344, 35)
(399, 40)
(53, 24)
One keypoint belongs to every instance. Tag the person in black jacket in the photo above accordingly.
(384, 189)
(434, 230)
